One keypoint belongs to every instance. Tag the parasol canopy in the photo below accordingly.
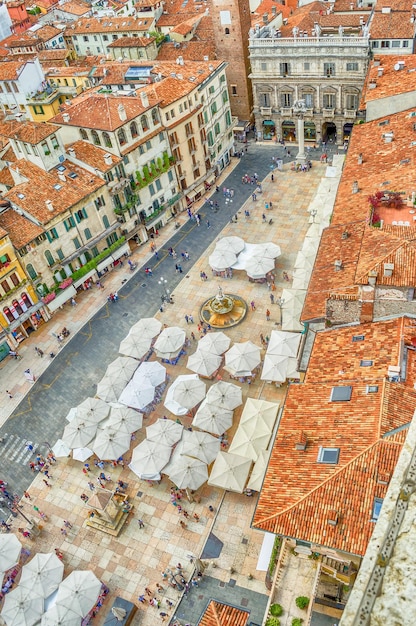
(225, 395)
(259, 266)
(79, 432)
(250, 439)
(10, 548)
(221, 259)
(93, 410)
(169, 342)
(151, 372)
(42, 574)
(230, 471)
(116, 377)
(284, 343)
(164, 431)
(110, 444)
(149, 458)
(137, 394)
(79, 591)
(190, 392)
(135, 346)
(235, 244)
(81, 454)
(204, 363)
(123, 418)
(147, 327)
(60, 448)
(199, 445)
(60, 615)
(170, 402)
(217, 343)
(22, 607)
(188, 473)
(213, 418)
(242, 357)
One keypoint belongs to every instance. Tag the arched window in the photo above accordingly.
(84, 134)
(31, 271)
(87, 233)
(95, 137)
(155, 117)
(17, 307)
(227, 31)
(8, 314)
(107, 140)
(49, 258)
(27, 299)
(122, 137)
(144, 123)
(133, 130)
(106, 222)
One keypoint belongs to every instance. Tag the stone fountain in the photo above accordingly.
(224, 310)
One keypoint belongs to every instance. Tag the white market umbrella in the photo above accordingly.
(285, 343)
(305, 261)
(59, 615)
(199, 445)
(10, 548)
(293, 300)
(147, 327)
(310, 246)
(216, 343)
(79, 591)
(152, 372)
(137, 394)
(60, 448)
(149, 458)
(81, 454)
(188, 473)
(125, 419)
(260, 411)
(71, 414)
(250, 438)
(135, 346)
(257, 474)
(117, 375)
(79, 433)
(301, 277)
(259, 266)
(213, 418)
(225, 395)
(243, 357)
(42, 574)
(22, 607)
(110, 444)
(230, 472)
(269, 249)
(235, 244)
(275, 368)
(292, 369)
(164, 431)
(170, 341)
(93, 410)
(314, 231)
(190, 392)
(204, 363)
(222, 259)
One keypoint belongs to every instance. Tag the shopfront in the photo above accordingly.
(310, 131)
(269, 130)
(288, 131)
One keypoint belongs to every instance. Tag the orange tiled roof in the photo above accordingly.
(100, 111)
(11, 70)
(132, 42)
(391, 82)
(40, 186)
(299, 493)
(393, 25)
(187, 26)
(219, 614)
(109, 25)
(44, 33)
(20, 230)
(60, 54)
(92, 155)
(6, 178)
(188, 50)
(75, 7)
(29, 132)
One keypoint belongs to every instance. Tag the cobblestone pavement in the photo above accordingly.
(137, 557)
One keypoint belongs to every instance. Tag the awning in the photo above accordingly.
(81, 281)
(268, 123)
(103, 264)
(239, 129)
(25, 316)
(61, 298)
(124, 249)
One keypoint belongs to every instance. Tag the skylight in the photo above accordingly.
(328, 455)
(57, 186)
(358, 338)
(372, 388)
(341, 394)
(366, 363)
(377, 504)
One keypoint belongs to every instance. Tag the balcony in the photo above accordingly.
(196, 165)
(350, 114)
(328, 113)
(309, 111)
(286, 111)
(115, 186)
(174, 143)
(189, 132)
(266, 111)
(182, 174)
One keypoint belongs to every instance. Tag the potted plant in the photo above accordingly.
(302, 602)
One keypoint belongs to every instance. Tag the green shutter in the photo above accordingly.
(55, 233)
(67, 227)
(71, 222)
(84, 213)
(77, 218)
(49, 237)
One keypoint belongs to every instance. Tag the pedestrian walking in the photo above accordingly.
(211, 508)
(159, 587)
(67, 524)
(84, 497)
(46, 473)
(142, 599)
(208, 224)
(91, 485)
(253, 305)
(163, 615)
(39, 352)
(46, 483)
(264, 219)
(186, 319)
(27, 495)
(193, 336)
(84, 471)
(182, 525)
(59, 554)
(196, 517)
(268, 315)
(73, 303)
(271, 298)
(191, 319)
(140, 523)
(285, 276)
(169, 602)
(64, 532)
(147, 590)
(9, 394)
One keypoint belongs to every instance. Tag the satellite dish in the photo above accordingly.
(397, 66)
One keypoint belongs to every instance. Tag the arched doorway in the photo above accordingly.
(347, 131)
(288, 131)
(329, 132)
(269, 130)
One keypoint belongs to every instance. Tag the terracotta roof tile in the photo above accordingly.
(132, 42)
(189, 50)
(393, 25)
(109, 24)
(75, 7)
(93, 155)
(186, 27)
(20, 230)
(219, 614)
(391, 82)
(63, 194)
(300, 494)
(29, 132)
(10, 70)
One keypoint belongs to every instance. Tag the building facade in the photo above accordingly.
(327, 73)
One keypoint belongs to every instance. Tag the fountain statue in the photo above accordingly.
(223, 310)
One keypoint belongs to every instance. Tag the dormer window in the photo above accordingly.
(328, 455)
(341, 394)
(377, 504)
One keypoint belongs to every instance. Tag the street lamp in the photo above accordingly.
(174, 581)
(163, 283)
(280, 302)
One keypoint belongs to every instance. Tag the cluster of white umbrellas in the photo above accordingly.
(170, 342)
(138, 341)
(207, 358)
(215, 415)
(184, 394)
(116, 377)
(293, 300)
(255, 428)
(280, 361)
(41, 577)
(242, 359)
(256, 259)
(140, 391)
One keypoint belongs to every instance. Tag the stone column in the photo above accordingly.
(299, 109)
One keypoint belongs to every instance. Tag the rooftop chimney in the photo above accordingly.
(332, 518)
(360, 158)
(338, 265)
(108, 159)
(388, 269)
(61, 177)
(265, 18)
(274, 10)
(49, 205)
(122, 113)
(301, 442)
(355, 187)
(66, 117)
(372, 278)
(144, 98)
(380, 70)
(71, 153)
